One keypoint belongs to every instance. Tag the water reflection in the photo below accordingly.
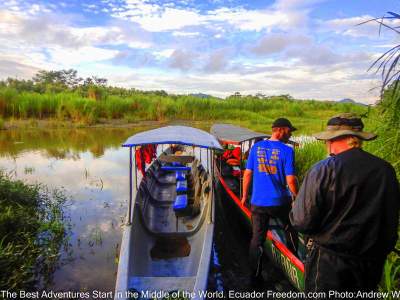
(64, 143)
(93, 169)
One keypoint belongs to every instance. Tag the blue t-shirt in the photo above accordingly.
(271, 162)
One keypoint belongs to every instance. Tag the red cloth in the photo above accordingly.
(145, 155)
(149, 153)
(236, 173)
(235, 153)
(139, 160)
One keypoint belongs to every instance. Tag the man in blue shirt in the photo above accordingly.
(271, 167)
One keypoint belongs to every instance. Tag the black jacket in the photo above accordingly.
(349, 204)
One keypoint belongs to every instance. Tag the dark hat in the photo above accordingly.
(283, 122)
(342, 125)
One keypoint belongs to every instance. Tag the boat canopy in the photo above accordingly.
(182, 135)
(234, 134)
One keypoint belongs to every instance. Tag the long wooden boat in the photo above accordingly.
(275, 245)
(167, 241)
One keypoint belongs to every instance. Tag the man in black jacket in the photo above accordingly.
(348, 205)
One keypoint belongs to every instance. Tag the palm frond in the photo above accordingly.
(387, 64)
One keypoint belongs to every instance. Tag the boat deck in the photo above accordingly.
(156, 198)
(171, 243)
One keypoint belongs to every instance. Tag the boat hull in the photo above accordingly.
(163, 251)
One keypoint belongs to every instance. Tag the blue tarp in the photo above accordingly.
(182, 135)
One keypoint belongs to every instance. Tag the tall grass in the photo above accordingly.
(387, 146)
(135, 106)
(307, 155)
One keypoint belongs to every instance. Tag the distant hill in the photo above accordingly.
(348, 100)
(201, 95)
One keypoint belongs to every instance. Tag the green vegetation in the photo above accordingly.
(61, 96)
(387, 126)
(32, 232)
(306, 156)
(387, 146)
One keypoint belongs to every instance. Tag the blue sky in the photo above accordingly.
(306, 48)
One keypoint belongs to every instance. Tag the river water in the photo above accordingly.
(92, 168)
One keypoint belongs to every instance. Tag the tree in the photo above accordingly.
(260, 95)
(70, 78)
(56, 81)
(94, 80)
(19, 84)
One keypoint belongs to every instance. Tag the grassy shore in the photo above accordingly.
(249, 111)
(32, 231)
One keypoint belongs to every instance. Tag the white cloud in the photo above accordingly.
(301, 81)
(157, 18)
(218, 60)
(27, 8)
(67, 58)
(15, 69)
(22, 63)
(353, 27)
(164, 53)
(296, 4)
(111, 35)
(51, 31)
(275, 43)
(9, 23)
(157, 21)
(181, 59)
(185, 34)
(243, 19)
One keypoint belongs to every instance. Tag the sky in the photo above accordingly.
(310, 49)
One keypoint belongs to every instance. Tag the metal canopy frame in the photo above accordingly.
(231, 134)
(202, 140)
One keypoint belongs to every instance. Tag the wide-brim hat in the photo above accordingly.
(343, 125)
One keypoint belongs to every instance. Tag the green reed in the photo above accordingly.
(307, 155)
(32, 230)
(136, 106)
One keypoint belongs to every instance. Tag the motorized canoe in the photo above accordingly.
(230, 182)
(167, 239)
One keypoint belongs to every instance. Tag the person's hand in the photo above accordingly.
(243, 201)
